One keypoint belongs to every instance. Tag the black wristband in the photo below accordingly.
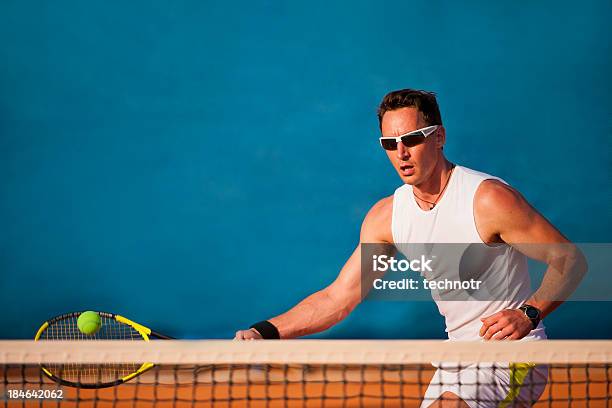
(266, 329)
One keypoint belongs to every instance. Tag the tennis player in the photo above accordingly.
(441, 202)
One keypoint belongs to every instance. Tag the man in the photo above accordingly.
(444, 203)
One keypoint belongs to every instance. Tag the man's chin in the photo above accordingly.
(411, 179)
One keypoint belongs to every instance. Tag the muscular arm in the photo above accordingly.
(325, 308)
(503, 215)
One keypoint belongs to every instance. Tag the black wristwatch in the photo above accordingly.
(532, 313)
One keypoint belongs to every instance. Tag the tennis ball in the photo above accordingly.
(89, 322)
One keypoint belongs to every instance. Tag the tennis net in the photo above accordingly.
(306, 373)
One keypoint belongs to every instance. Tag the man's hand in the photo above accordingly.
(250, 334)
(509, 324)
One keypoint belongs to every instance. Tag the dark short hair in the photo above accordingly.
(424, 101)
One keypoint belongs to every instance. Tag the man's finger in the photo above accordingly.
(250, 334)
(493, 330)
(515, 336)
(505, 332)
(488, 322)
(244, 335)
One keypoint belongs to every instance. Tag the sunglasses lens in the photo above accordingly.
(412, 140)
(388, 144)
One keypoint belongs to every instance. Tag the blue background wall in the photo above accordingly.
(198, 167)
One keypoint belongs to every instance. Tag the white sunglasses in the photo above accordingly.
(409, 139)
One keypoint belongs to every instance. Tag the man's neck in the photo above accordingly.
(431, 188)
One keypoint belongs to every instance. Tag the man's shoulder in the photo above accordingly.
(383, 205)
(490, 190)
(380, 212)
(495, 195)
(376, 226)
(497, 206)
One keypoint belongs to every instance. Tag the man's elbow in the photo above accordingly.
(576, 259)
(569, 262)
(346, 309)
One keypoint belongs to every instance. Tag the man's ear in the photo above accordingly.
(440, 137)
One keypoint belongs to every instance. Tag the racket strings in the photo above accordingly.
(91, 374)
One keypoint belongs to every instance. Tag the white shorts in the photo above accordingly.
(489, 384)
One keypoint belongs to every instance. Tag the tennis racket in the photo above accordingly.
(113, 327)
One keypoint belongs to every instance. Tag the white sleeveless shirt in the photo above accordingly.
(451, 221)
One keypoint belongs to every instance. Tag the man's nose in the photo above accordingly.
(402, 151)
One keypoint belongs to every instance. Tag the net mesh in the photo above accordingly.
(312, 373)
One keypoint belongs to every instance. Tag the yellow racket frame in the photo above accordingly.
(144, 331)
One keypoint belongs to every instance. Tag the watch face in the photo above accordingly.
(532, 312)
